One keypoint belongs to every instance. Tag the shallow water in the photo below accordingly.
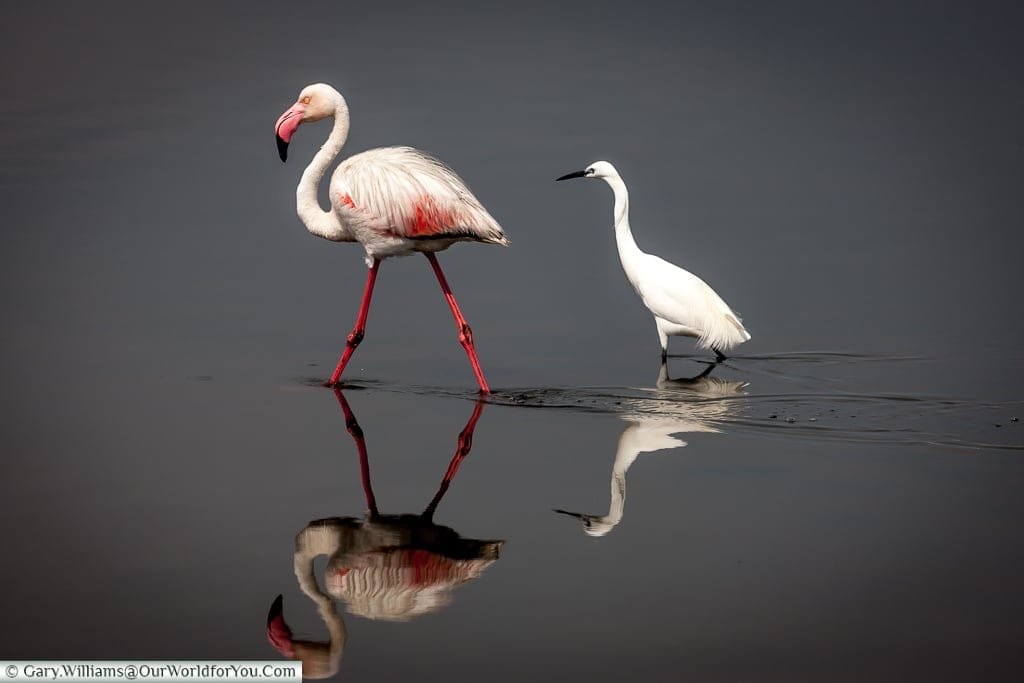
(838, 501)
(719, 539)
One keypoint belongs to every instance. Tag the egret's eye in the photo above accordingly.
(306, 99)
(590, 171)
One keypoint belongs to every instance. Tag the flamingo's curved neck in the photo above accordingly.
(310, 544)
(319, 222)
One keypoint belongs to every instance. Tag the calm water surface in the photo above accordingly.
(840, 501)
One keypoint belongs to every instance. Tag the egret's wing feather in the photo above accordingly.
(413, 195)
(681, 297)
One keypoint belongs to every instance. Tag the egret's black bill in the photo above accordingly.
(567, 176)
(282, 147)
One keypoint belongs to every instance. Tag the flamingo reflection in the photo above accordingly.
(382, 566)
(678, 406)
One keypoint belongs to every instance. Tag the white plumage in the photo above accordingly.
(406, 194)
(682, 303)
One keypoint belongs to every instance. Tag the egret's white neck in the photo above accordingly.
(601, 525)
(317, 221)
(621, 200)
(623, 459)
(628, 249)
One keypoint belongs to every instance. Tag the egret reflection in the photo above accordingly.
(677, 406)
(392, 567)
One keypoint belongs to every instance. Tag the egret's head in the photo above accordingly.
(598, 169)
(593, 525)
(316, 102)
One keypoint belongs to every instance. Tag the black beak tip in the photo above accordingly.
(282, 148)
(575, 174)
(276, 608)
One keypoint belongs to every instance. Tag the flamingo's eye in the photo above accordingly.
(306, 99)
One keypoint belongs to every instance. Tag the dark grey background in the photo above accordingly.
(848, 176)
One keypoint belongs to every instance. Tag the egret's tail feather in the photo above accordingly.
(723, 333)
(735, 322)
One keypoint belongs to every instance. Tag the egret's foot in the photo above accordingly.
(719, 356)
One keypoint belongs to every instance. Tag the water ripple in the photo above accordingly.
(806, 397)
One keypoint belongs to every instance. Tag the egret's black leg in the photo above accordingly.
(719, 356)
(707, 371)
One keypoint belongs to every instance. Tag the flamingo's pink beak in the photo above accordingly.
(285, 128)
(278, 633)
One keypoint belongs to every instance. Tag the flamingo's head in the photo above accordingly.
(319, 660)
(278, 633)
(317, 101)
(598, 169)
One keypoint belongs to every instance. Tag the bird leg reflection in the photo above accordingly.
(463, 447)
(353, 428)
(465, 443)
(688, 382)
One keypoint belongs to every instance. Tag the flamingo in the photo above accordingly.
(682, 303)
(392, 567)
(392, 200)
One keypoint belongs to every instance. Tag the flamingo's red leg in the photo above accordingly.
(465, 333)
(356, 335)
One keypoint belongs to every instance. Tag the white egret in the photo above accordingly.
(682, 303)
